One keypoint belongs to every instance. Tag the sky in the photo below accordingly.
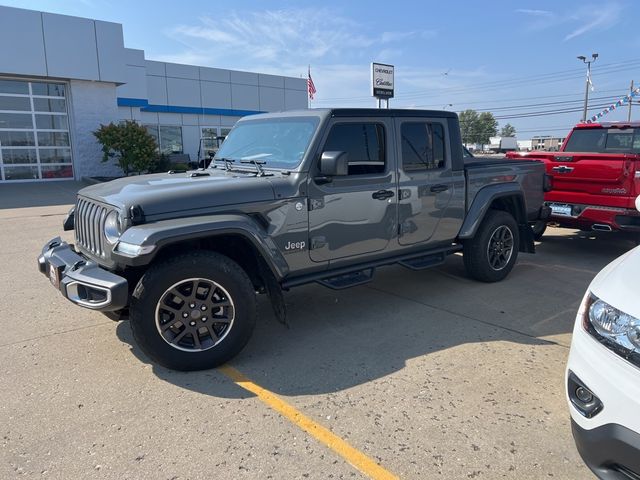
(516, 59)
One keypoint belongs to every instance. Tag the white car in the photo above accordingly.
(603, 372)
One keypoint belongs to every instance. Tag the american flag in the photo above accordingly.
(310, 86)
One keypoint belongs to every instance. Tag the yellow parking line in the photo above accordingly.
(355, 457)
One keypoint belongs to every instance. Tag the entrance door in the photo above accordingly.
(354, 214)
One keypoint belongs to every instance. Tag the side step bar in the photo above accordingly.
(347, 280)
(359, 274)
(421, 263)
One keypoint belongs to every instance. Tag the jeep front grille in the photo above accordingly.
(89, 221)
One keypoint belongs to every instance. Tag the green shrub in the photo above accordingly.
(129, 144)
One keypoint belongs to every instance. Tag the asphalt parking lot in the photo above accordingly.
(428, 374)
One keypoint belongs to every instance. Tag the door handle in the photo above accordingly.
(439, 188)
(382, 194)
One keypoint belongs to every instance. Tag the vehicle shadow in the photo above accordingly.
(341, 339)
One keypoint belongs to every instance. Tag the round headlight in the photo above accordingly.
(607, 320)
(112, 227)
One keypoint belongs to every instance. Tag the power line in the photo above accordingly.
(604, 69)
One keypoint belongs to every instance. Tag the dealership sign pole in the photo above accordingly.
(382, 82)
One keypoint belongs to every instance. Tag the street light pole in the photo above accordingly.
(588, 81)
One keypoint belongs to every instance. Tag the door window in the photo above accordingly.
(422, 146)
(364, 144)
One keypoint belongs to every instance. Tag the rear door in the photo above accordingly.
(597, 165)
(426, 181)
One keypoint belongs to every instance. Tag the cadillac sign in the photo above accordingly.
(382, 80)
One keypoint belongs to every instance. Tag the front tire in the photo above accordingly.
(491, 254)
(193, 311)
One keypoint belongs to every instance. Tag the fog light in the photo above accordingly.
(584, 395)
(582, 399)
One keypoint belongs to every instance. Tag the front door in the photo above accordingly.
(354, 214)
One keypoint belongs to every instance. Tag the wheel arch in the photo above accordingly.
(238, 237)
(507, 197)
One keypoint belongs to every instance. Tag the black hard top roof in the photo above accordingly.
(389, 112)
(356, 112)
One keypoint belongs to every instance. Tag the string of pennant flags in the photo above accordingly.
(613, 106)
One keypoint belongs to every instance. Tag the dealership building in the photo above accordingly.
(61, 77)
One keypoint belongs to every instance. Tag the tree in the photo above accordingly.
(468, 125)
(488, 127)
(508, 131)
(129, 143)
(477, 127)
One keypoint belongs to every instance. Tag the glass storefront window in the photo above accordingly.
(32, 150)
(58, 171)
(20, 173)
(19, 155)
(16, 120)
(17, 139)
(22, 104)
(51, 122)
(170, 139)
(14, 86)
(55, 155)
(48, 89)
(49, 105)
(53, 139)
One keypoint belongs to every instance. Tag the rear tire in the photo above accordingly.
(193, 311)
(491, 254)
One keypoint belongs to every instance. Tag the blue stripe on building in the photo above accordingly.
(145, 106)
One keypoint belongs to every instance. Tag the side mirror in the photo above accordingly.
(334, 164)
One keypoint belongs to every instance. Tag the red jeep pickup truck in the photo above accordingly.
(596, 178)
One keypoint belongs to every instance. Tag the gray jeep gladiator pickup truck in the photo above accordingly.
(290, 198)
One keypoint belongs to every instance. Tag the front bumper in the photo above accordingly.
(609, 439)
(80, 280)
(610, 451)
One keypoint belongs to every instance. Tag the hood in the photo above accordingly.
(165, 193)
(617, 283)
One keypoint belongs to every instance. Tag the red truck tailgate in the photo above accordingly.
(590, 178)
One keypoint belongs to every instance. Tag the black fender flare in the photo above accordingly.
(154, 236)
(482, 203)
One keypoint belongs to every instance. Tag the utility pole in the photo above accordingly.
(630, 101)
(586, 90)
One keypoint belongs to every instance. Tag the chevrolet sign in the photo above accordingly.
(382, 80)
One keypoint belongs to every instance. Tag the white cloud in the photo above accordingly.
(588, 18)
(298, 35)
(597, 18)
(535, 13)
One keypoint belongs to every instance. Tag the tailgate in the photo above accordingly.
(590, 178)
(592, 173)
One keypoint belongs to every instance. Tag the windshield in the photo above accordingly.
(278, 143)
(601, 140)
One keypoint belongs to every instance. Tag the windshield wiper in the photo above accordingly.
(257, 163)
